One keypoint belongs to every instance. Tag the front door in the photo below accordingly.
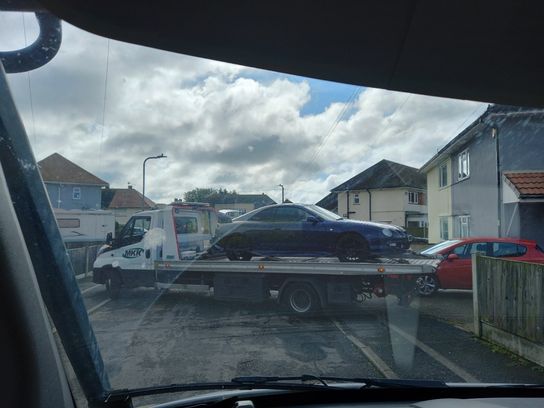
(457, 273)
(129, 250)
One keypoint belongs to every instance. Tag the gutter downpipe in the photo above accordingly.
(495, 135)
(347, 203)
(369, 204)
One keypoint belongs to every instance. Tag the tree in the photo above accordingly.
(199, 195)
(210, 195)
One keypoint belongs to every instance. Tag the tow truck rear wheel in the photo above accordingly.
(113, 284)
(352, 248)
(300, 298)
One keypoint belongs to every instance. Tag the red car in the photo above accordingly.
(455, 271)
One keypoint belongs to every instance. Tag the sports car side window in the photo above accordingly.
(290, 214)
(264, 215)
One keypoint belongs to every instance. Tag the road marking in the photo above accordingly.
(89, 312)
(376, 360)
(450, 365)
(89, 289)
(98, 306)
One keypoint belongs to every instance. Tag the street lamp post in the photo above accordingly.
(282, 193)
(160, 156)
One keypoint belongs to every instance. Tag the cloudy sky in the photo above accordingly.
(221, 125)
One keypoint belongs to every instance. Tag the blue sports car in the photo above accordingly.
(307, 230)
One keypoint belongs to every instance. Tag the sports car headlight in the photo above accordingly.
(387, 232)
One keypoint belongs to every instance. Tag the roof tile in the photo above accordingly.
(529, 184)
(58, 169)
(385, 174)
(124, 198)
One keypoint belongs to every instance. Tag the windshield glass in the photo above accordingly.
(439, 247)
(118, 128)
(323, 213)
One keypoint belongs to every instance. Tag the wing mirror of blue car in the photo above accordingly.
(313, 220)
(452, 257)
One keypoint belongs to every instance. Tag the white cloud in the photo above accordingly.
(218, 126)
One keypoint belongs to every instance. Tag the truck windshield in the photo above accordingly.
(174, 296)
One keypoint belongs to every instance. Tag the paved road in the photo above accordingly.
(150, 337)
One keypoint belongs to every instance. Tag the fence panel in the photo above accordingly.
(83, 258)
(510, 295)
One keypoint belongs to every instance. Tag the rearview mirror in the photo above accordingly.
(313, 220)
(109, 238)
(451, 257)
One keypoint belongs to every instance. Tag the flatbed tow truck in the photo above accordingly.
(165, 247)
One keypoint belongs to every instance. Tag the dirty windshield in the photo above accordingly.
(332, 196)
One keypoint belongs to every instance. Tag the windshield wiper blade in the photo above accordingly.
(277, 383)
(235, 384)
(259, 380)
(365, 382)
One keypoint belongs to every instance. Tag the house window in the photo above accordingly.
(443, 175)
(463, 165)
(76, 193)
(464, 226)
(413, 197)
(355, 198)
(444, 228)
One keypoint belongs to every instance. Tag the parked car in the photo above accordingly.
(223, 219)
(455, 270)
(307, 230)
(231, 213)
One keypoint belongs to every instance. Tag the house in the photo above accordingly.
(242, 202)
(387, 192)
(124, 203)
(487, 180)
(69, 186)
(329, 202)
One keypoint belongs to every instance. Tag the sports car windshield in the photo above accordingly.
(326, 214)
(146, 155)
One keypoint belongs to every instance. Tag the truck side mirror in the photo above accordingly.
(452, 257)
(148, 253)
(109, 238)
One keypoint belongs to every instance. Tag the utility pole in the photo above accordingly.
(282, 193)
(160, 156)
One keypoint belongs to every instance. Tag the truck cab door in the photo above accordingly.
(129, 252)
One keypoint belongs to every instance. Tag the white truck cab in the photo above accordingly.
(176, 232)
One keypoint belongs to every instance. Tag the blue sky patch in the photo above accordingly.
(322, 93)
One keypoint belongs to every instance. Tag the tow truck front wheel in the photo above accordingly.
(301, 299)
(113, 284)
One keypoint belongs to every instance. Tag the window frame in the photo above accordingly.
(76, 193)
(441, 182)
(61, 222)
(445, 236)
(356, 199)
(414, 194)
(464, 220)
(463, 157)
